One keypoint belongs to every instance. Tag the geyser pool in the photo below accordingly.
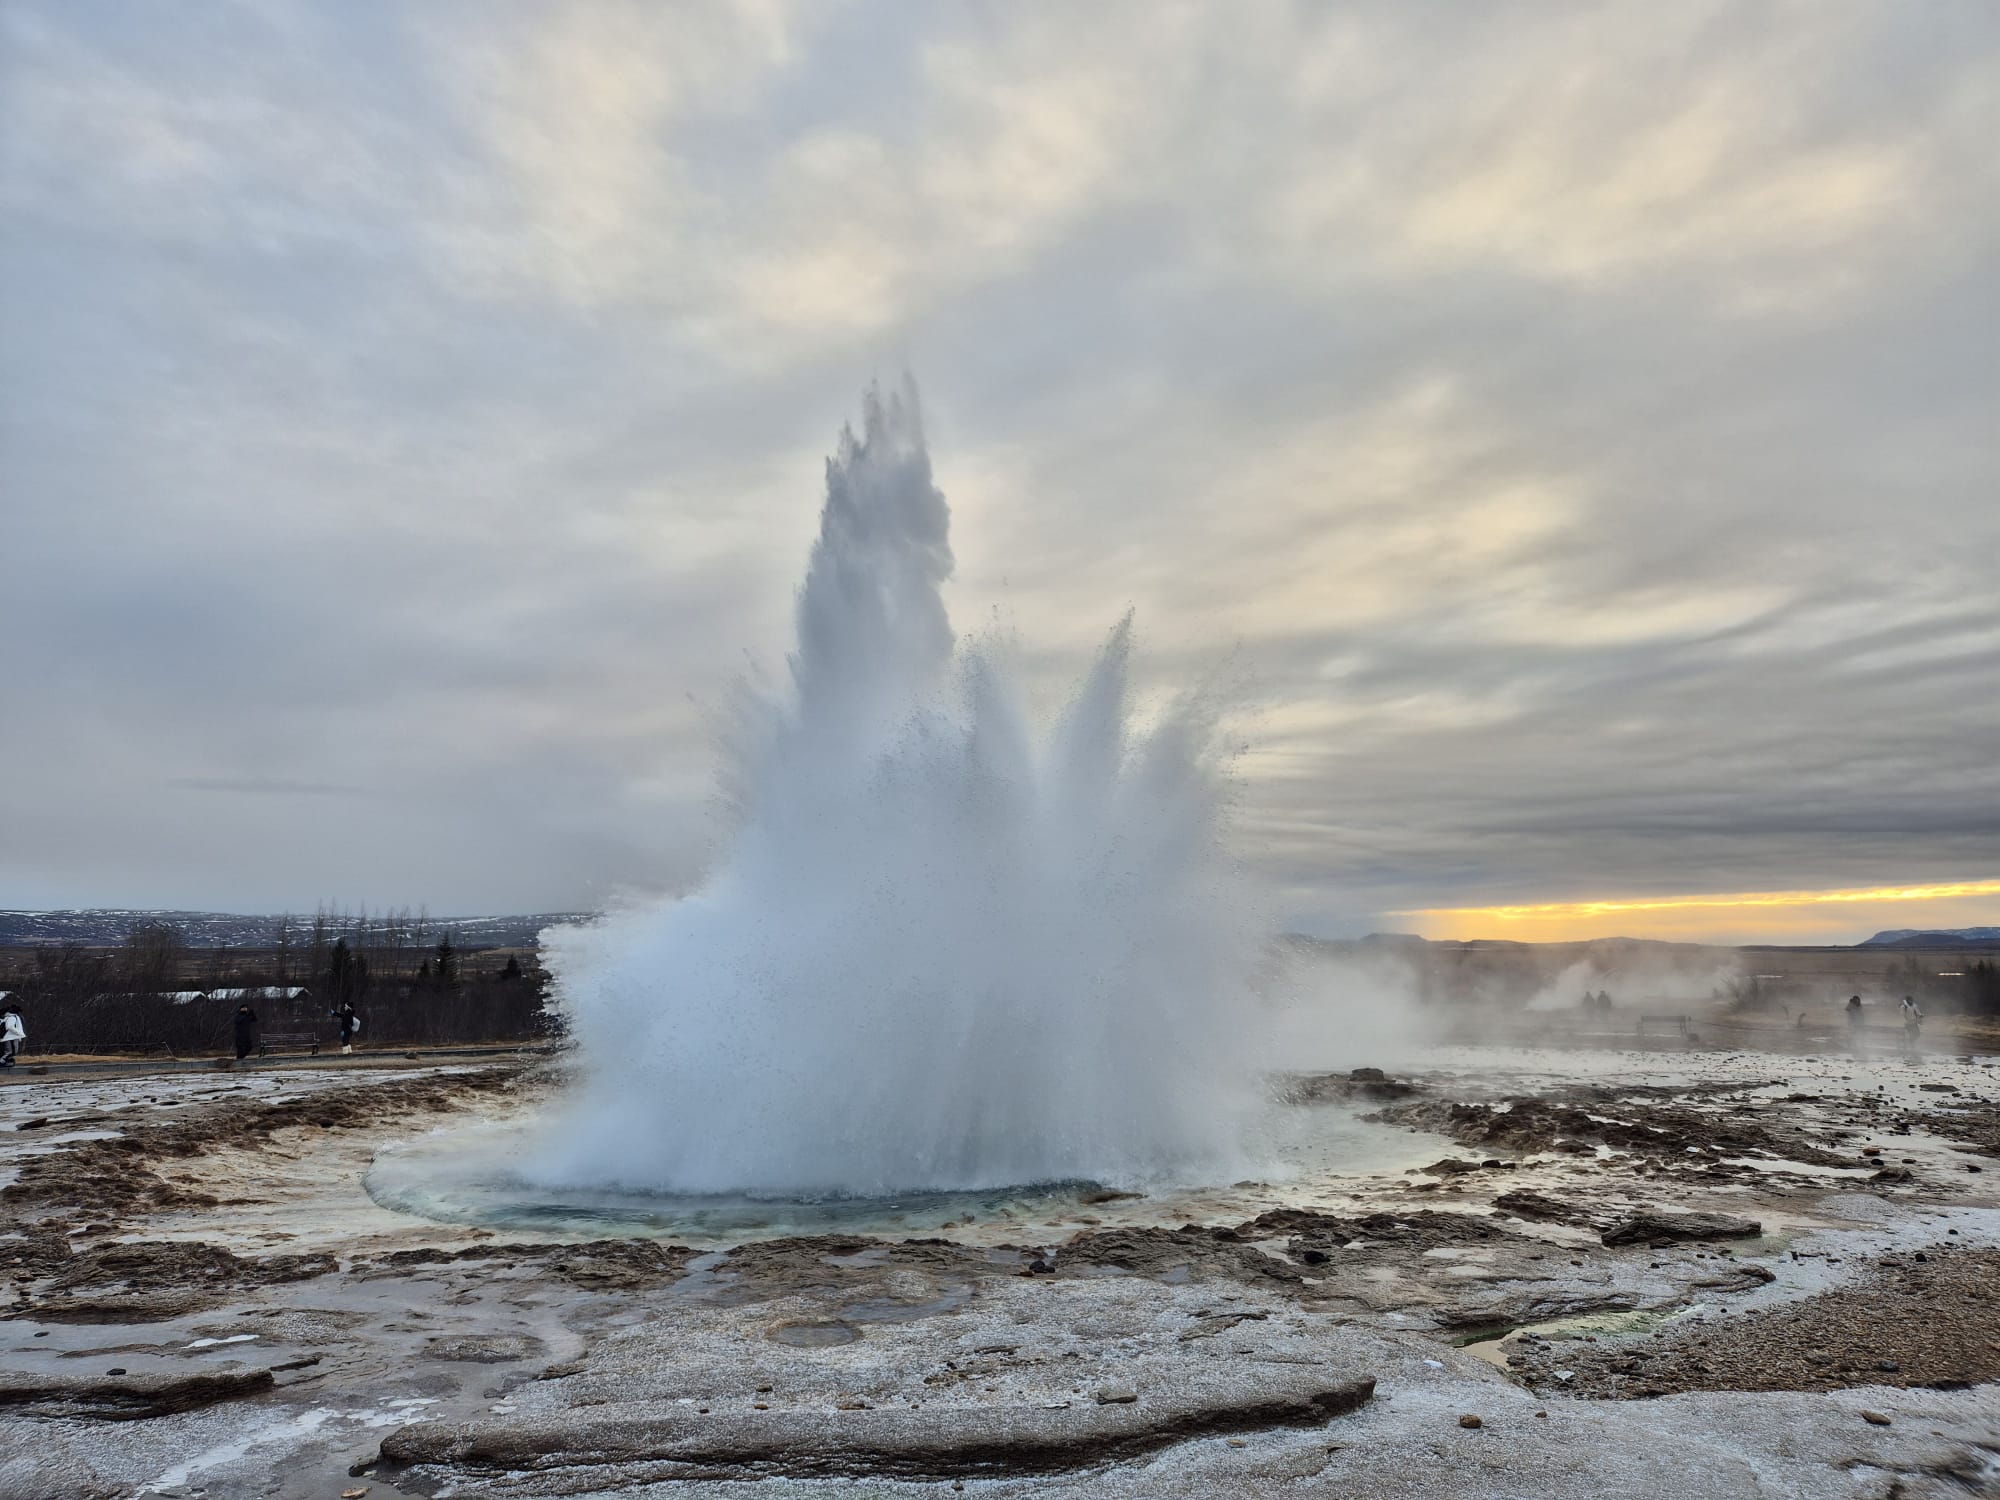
(1319, 1156)
(943, 951)
(464, 1178)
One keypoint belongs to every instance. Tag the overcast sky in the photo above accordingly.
(1576, 422)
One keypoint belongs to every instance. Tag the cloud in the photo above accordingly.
(1575, 424)
(263, 786)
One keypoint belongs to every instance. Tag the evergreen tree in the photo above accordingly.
(346, 974)
(1982, 983)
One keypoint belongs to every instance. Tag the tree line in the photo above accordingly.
(1974, 990)
(154, 992)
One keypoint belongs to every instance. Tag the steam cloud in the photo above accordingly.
(943, 951)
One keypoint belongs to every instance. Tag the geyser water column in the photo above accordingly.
(941, 951)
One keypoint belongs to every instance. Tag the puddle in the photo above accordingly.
(890, 1310)
(812, 1333)
(1785, 1167)
(278, 1433)
(1490, 1344)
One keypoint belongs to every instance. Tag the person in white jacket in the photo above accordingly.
(12, 1034)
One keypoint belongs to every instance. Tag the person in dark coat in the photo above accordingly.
(246, 1031)
(350, 1022)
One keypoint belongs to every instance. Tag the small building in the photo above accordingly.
(288, 992)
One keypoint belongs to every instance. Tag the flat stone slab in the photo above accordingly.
(1010, 1384)
(656, 1443)
(127, 1396)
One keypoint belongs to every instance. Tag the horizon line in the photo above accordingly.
(1751, 899)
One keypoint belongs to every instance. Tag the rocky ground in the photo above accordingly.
(1919, 1319)
(1689, 1275)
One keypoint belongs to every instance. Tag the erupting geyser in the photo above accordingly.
(941, 951)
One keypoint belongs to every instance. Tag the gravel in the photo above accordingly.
(1926, 1318)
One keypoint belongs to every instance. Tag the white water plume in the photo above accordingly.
(943, 951)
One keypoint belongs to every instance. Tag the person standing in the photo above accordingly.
(350, 1024)
(13, 1032)
(245, 1024)
(1913, 1024)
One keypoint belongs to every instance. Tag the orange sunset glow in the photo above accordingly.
(1792, 916)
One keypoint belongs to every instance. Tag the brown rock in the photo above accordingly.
(1532, 1205)
(1655, 1228)
(121, 1396)
(1450, 1166)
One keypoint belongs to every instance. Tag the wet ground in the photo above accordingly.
(1505, 1272)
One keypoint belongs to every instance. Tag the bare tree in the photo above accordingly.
(152, 957)
(284, 937)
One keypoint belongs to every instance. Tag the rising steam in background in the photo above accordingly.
(1330, 1006)
(1635, 977)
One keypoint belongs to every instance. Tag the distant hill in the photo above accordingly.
(1947, 937)
(211, 929)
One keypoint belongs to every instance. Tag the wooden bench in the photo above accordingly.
(267, 1041)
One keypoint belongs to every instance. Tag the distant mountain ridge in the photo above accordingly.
(104, 926)
(1932, 937)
